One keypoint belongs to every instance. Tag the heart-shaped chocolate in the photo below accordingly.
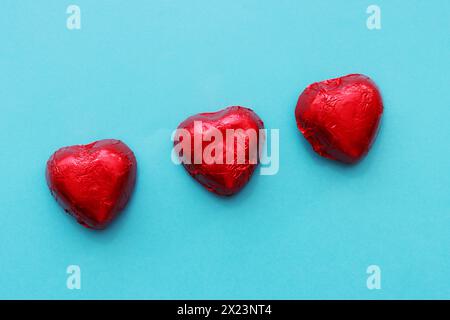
(220, 149)
(340, 117)
(92, 182)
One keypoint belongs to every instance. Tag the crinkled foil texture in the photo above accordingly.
(92, 182)
(340, 117)
(226, 178)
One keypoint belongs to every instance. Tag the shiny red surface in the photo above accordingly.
(340, 117)
(223, 179)
(92, 182)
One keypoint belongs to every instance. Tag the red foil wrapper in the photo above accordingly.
(228, 177)
(340, 117)
(92, 182)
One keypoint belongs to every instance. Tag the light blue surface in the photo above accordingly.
(138, 68)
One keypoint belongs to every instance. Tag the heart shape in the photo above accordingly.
(230, 166)
(340, 117)
(92, 182)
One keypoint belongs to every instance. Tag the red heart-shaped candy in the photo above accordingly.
(340, 117)
(231, 172)
(92, 182)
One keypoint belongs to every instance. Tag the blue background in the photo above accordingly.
(138, 68)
